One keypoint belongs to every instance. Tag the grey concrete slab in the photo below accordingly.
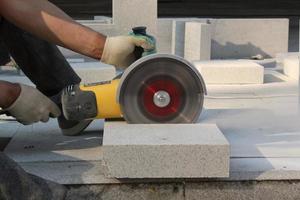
(44, 142)
(259, 121)
(165, 151)
(8, 129)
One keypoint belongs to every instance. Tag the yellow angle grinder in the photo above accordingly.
(158, 88)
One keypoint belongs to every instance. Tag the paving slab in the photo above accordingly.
(45, 142)
(165, 151)
(259, 121)
(230, 72)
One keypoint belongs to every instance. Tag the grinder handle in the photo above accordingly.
(138, 51)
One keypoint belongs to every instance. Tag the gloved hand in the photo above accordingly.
(119, 51)
(32, 106)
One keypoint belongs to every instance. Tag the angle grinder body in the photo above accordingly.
(158, 88)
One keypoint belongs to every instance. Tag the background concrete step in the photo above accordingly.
(165, 151)
(231, 72)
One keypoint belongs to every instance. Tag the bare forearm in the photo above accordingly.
(45, 20)
(9, 92)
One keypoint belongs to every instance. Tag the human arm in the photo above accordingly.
(47, 21)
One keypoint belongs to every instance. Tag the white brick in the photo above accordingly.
(165, 151)
(197, 41)
(291, 67)
(164, 35)
(230, 72)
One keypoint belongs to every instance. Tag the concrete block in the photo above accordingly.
(178, 35)
(291, 67)
(178, 38)
(281, 56)
(130, 13)
(165, 151)
(230, 72)
(197, 41)
(266, 63)
(92, 72)
(244, 38)
(164, 35)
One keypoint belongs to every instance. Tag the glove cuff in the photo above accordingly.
(106, 49)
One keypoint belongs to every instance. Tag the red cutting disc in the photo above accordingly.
(161, 89)
(162, 84)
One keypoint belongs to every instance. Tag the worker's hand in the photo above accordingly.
(32, 106)
(119, 51)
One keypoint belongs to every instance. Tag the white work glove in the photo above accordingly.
(32, 106)
(119, 51)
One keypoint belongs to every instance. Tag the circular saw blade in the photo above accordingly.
(161, 89)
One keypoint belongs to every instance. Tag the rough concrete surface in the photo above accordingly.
(165, 151)
(230, 72)
(190, 190)
(249, 190)
(127, 191)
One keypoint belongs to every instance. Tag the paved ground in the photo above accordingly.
(261, 123)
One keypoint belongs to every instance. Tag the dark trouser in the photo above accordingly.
(4, 55)
(40, 61)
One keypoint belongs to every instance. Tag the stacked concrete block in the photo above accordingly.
(178, 34)
(280, 57)
(244, 38)
(131, 13)
(178, 38)
(197, 45)
(291, 67)
(165, 151)
(164, 35)
(230, 72)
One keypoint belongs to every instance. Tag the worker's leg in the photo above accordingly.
(4, 55)
(41, 61)
(46, 67)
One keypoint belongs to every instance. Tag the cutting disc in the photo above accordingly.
(161, 89)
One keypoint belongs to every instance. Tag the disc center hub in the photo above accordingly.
(161, 99)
